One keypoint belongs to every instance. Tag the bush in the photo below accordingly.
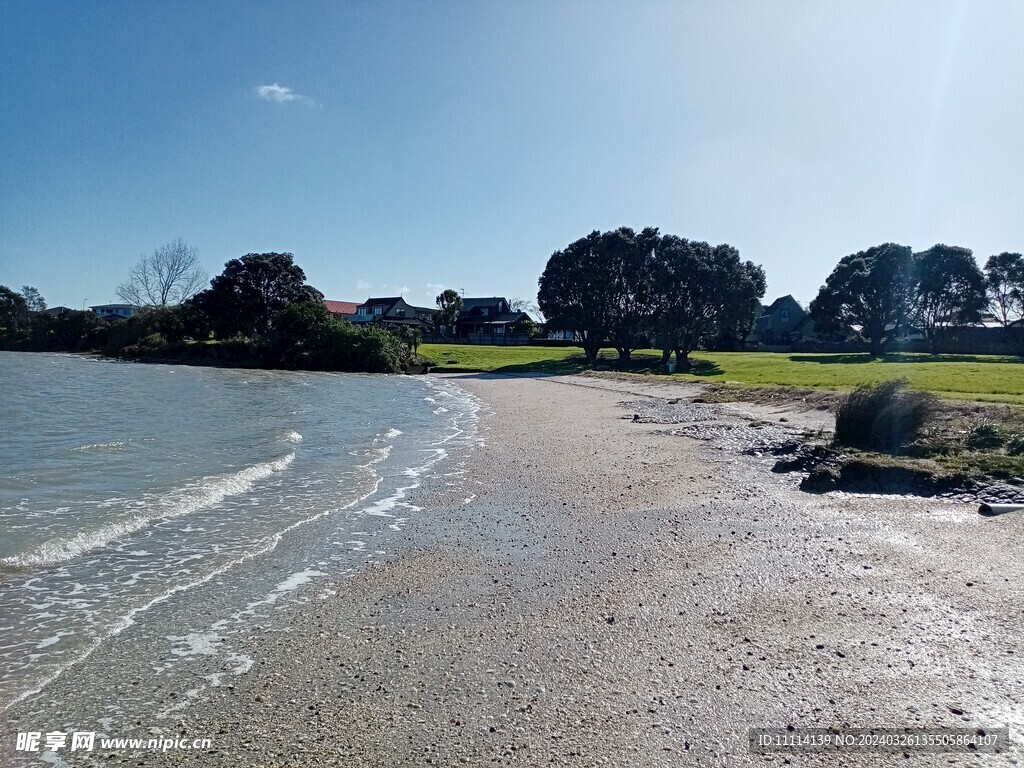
(984, 437)
(883, 417)
(1015, 446)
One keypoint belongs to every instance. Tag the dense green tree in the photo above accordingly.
(300, 335)
(576, 292)
(306, 336)
(600, 286)
(524, 327)
(449, 304)
(742, 306)
(702, 291)
(76, 331)
(949, 289)
(33, 298)
(246, 296)
(630, 261)
(14, 313)
(873, 289)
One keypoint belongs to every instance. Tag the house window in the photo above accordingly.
(784, 314)
(400, 313)
(485, 311)
(378, 311)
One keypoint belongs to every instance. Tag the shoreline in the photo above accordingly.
(595, 591)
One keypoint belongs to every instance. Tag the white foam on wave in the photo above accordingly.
(268, 545)
(113, 445)
(296, 580)
(193, 497)
(292, 437)
(195, 644)
(391, 433)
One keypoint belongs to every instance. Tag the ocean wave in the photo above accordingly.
(199, 495)
(292, 437)
(113, 445)
(392, 433)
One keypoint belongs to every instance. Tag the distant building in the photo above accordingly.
(344, 309)
(114, 311)
(486, 317)
(57, 311)
(778, 321)
(393, 311)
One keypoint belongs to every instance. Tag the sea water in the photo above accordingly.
(123, 486)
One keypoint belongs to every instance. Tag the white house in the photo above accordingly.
(113, 311)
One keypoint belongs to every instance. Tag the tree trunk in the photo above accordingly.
(683, 359)
(666, 355)
(625, 355)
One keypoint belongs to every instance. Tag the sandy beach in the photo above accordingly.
(591, 590)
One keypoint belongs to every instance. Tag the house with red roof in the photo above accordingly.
(342, 309)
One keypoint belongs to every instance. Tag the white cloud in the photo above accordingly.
(363, 285)
(435, 288)
(280, 94)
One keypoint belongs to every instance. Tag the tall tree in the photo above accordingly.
(577, 292)
(245, 297)
(948, 289)
(1004, 280)
(14, 315)
(33, 298)
(873, 289)
(574, 293)
(600, 287)
(702, 291)
(630, 261)
(449, 303)
(169, 275)
(742, 306)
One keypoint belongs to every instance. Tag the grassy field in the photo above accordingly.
(966, 377)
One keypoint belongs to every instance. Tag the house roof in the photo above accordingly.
(341, 307)
(388, 300)
(485, 301)
(779, 302)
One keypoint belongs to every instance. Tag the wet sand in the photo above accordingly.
(594, 591)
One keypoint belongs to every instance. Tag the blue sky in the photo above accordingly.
(405, 146)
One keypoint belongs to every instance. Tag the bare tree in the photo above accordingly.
(524, 305)
(169, 275)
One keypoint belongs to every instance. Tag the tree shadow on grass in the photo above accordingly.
(901, 357)
(547, 367)
(703, 368)
(652, 364)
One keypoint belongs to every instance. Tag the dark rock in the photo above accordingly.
(820, 480)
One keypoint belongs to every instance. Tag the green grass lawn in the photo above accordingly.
(966, 377)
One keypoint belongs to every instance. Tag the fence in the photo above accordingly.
(492, 339)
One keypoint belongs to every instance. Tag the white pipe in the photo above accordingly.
(999, 509)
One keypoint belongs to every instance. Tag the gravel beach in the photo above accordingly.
(590, 589)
